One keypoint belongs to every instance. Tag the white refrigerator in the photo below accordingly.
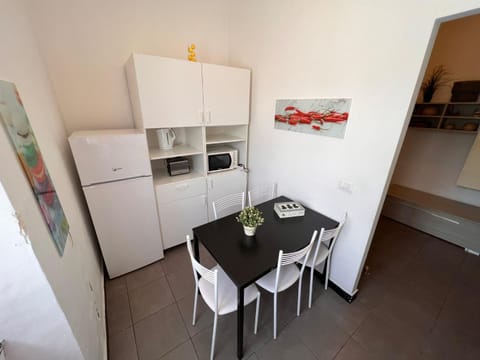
(116, 177)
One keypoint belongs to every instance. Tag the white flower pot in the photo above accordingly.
(249, 230)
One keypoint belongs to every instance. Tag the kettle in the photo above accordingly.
(166, 138)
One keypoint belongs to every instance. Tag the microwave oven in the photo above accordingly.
(221, 158)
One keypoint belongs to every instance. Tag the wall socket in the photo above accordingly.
(345, 186)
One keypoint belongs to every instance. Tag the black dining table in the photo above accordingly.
(246, 259)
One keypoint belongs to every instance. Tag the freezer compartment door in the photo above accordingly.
(108, 156)
(125, 217)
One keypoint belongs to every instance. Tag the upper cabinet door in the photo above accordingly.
(226, 95)
(165, 92)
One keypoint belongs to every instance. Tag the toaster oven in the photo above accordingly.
(178, 166)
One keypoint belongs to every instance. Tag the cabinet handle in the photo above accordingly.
(204, 200)
(209, 116)
(201, 116)
(211, 184)
(443, 218)
(182, 186)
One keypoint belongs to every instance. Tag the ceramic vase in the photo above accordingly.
(249, 230)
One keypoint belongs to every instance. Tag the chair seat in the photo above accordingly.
(289, 274)
(322, 255)
(227, 293)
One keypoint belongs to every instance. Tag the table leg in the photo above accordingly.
(240, 322)
(196, 251)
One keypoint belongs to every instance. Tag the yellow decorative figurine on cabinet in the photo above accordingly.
(191, 53)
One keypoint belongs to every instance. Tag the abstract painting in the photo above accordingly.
(14, 119)
(313, 116)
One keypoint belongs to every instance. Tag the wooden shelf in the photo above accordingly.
(161, 177)
(461, 117)
(461, 114)
(178, 150)
(444, 130)
(222, 139)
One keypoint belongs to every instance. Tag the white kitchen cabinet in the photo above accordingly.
(165, 92)
(206, 105)
(181, 207)
(226, 95)
(168, 92)
(224, 183)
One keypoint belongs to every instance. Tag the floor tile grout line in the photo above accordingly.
(175, 348)
(448, 293)
(131, 319)
(341, 347)
(190, 338)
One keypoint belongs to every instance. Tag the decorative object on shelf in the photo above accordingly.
(313, 116)
(436, 79)
(250, 218)
(430, 111)
(191, 53)
(466, 91)
(15, 121)
(470, 126)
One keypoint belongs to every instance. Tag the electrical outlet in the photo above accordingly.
(345, 186)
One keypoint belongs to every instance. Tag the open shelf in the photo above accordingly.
(177, 150)
(461, 117)
(222, 138)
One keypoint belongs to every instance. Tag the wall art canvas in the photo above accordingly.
(327, 117)
(14, 119)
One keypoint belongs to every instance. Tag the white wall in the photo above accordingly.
(33, 329)
(72, 275)
(370, 51)
(87, 43)
(426, 153)
(431, 161)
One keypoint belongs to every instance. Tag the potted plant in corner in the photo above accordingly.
(250, 217)
(437, 78)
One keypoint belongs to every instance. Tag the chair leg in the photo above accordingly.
(274, 315)
(195, 307)
(312, 269)
(213, 335)
(299, 297)
(256, 314)
(327, 274)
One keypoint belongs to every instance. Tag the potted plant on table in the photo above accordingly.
(251, 218)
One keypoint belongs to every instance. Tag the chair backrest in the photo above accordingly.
(327, 235)
(228, 204)
(290, 258)
(209, 275)
(259, 194)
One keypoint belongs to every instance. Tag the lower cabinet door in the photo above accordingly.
(179, 217)
(225, 183)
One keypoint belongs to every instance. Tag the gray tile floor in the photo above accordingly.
(419, 298)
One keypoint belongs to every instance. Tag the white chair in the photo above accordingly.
(228, 205)
(322, 252)
(259, 194)
(218, 292)
(284, 276)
